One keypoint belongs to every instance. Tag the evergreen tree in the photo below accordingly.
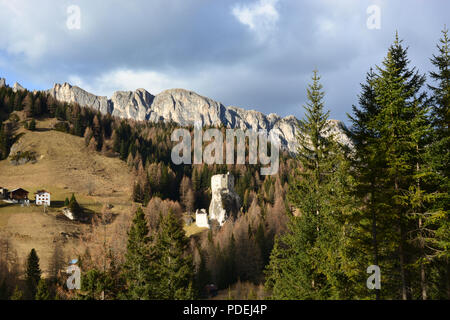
(137, 273)
(390, 133)
(97, 285)
(173, 266)
(17, 294)
(300, 266)
(33, 273)
(439, 157)
(402, 127)
(43, 291)
(74, 206)
(441, 89)
(32, 125)
(367, 164)
(6, 139)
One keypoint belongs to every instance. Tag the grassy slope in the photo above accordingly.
(64, 166)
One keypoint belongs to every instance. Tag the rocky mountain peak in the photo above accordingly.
(18, 87)
(185, 108)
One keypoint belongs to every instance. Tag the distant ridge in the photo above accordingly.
(185, 108)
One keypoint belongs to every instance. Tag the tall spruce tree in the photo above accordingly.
(402, 128)
(439, 157)
(33, 273)
(172, 264)
(300, 265)
(364, 238)
(137, 272)
(390, 131)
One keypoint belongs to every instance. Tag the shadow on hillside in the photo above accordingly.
(57, 204)
(84, 217)
(42, 129)
(5, 204)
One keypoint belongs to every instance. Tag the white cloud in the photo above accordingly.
(29, 32)
(127, 79)
(261, 16)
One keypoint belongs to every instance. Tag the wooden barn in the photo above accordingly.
(18, 194)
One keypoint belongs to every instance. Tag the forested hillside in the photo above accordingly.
(308, 232)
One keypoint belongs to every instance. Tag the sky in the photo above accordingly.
(255, 54)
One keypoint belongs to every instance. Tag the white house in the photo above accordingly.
(201, 219)
(42, 198)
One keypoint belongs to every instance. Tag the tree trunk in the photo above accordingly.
(401, 252)
(374, 241)
(423, 277)
(448, 279)
(402, 267)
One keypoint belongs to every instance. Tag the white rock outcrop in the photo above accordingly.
(225, 202)
(2, 82)
(17, 87)
(68, 213)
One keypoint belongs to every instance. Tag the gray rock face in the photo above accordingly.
(131, 105)
(72, 94)
(186, 108)
(2, 82)
(224, 202)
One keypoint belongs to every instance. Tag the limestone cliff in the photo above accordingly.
(186, 108)
(225, 202)
(73, 94)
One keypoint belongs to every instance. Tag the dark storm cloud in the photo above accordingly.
(259, 55)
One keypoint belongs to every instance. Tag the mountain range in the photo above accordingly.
(185, 108)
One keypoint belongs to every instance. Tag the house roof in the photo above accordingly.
(18, 189)
(41, 192)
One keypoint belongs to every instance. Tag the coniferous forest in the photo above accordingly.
(307, 233)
